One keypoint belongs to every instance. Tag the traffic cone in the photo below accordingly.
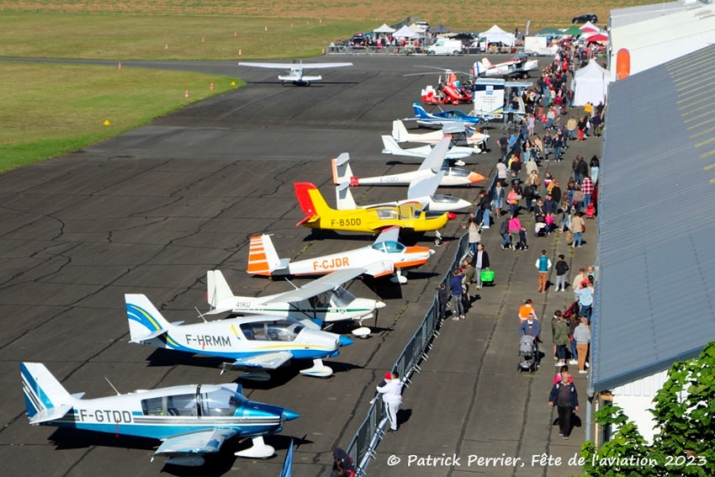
(186, 94)
(119, 65)
(212, 86)
(240, 53)
(107, 123)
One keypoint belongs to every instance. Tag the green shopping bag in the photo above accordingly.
(487, 275)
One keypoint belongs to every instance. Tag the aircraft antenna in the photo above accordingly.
(112, 385)
(201, 315)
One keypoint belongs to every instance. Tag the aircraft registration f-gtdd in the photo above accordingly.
(191, 420)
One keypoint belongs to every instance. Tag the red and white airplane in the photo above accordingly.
(384, 257)
(459, 135)
(520, 65)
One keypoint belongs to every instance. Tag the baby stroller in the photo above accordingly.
(527, 354)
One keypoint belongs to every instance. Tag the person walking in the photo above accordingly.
(561, 339)
(585, 300)
(504, 231)
(582, 337)
(480, 261)
(565, 397)
(455, 287)
(392, 397)
(514, 229)
(561, 268)
(543, 264)
(577, 227)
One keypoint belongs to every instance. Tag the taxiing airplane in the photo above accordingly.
(436, 120)
(191, 420)
(520, 65)
(384, 257)
(410, 217)
(253, 342)
(458, 134)
(296, 71)
(323, 300)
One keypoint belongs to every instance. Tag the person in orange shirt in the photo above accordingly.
(526, 309)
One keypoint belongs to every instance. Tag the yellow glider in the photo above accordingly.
(409, 217)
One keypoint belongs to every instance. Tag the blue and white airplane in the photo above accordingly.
(256, 343)
(442, 118)
(191, 420)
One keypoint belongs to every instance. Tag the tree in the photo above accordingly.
(684, 414)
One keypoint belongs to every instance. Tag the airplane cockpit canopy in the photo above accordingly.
(220, 402)
(454, 172)
(217, 402)
(279, 330)
(389, 246)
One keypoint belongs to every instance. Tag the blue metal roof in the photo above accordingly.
(655, 301)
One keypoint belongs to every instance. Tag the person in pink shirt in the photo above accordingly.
(514, 228)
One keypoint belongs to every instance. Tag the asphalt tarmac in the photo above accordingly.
(152, 209)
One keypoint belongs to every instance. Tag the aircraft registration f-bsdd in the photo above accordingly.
(384, 257)
(253, 342)
(191, 420)
(296, 70)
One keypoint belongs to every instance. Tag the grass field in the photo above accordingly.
(49, 110)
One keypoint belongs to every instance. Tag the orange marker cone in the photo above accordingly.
(235, 34)
(240, 52)
(186, 94)
(203, 39)
(212, 86)
(119, 65)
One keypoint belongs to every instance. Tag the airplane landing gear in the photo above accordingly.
(318, 370)
(259, 450)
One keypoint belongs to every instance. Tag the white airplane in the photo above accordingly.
(253, 342)
(323, 300)
(384, 257)
(296, 71)
(421, 190)
(190, 420)
(431, 166)
(520, 65)
(457, 132)
(454, 154)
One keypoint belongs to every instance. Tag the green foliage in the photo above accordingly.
(683, 413)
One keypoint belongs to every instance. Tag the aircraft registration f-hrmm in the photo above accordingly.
(323, 300)
(191, 420)
(384, 257)
(296, 71)
(255, 343)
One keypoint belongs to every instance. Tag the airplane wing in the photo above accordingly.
(380, 269)
(202, 442)
(424, 186)
(434, 159)
(265, 360)
(328, 282)
(390, 234)
(50, 414)
(320, 66)
(287, 66)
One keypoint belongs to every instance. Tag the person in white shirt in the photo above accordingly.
(392, 397)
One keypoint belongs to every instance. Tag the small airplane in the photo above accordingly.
(454, 155)
(384, 257)
(253, 342)
(435, 120)
(321, 301)
(410, 217)
(457, 132)
(450, 92)
(190, 420)
(432, 165)
(520, 65)
(295, 73)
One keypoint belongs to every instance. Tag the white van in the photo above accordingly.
(443, 46)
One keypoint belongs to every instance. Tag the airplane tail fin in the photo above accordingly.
(341, 169)
(262, 256)
(145, 321)
(218, 291)
(45, 398)
(344, 197)
(419, 110)
(391, 146)
(311, 202)
(487, 64)
(399, 131)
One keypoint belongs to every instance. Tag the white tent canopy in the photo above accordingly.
(404, 32)
(591, 84)
(384, 29)
(497, 35)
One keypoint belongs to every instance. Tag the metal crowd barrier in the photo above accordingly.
(368, 436)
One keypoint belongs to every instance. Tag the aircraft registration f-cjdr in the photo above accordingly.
(296, 70)
(255, 343)
(323, 300)
(191, 420)
(384, 257)
(410, 217)
(458, 133)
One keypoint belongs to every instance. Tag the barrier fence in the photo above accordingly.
(364, 442)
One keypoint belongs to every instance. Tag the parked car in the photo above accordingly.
(586, 17)
(358, 41)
